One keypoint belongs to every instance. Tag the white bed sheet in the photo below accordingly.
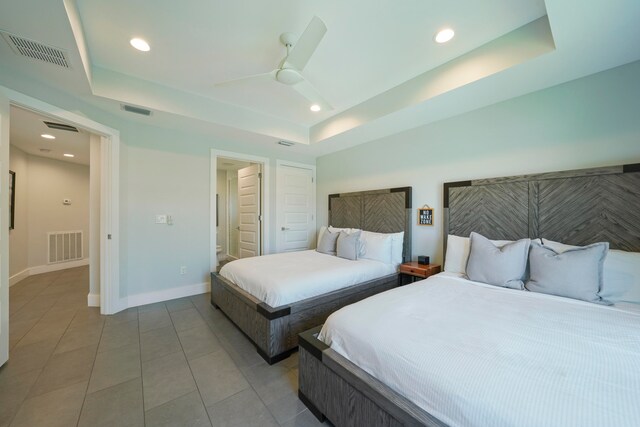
(479, 355)
(289, 277)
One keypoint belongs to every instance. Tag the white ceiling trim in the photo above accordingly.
(516, 47)
(131, 90)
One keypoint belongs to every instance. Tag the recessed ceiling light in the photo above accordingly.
(444, 35)
(315, 108)
(68, 155)
(47, 136)
(140, 44)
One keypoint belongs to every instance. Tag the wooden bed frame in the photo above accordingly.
(274, 330)
(576, 207)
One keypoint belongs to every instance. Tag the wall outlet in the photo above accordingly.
(183, 270)
(161, 219)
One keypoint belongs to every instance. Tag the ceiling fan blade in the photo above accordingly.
(255, 77)
(307, 44)
(305, 89)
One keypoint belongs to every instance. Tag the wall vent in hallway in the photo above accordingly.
(64, 246)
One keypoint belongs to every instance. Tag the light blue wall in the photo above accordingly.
(593, 121)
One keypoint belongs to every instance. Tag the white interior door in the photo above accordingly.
(296, 208)
(4, 228)
(249, 211)
(234, 227)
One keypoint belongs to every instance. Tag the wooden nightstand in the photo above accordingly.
(413, 271)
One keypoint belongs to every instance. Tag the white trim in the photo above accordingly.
(167, 294)
(93, 300)
(266, 247)
(109, 197)
(312, 168)
(46, 268)
(18, 277)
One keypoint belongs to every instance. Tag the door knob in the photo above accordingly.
(238, 228)
(285, 228)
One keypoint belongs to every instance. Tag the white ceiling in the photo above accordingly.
(377, 65)
(26, 130)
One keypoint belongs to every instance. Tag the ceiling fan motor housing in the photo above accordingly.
(288, 76)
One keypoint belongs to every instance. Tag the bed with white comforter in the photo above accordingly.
(289, 277)
(475, 354)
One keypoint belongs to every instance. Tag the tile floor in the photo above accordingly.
(178, 363)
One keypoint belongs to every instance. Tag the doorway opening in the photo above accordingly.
(52, 202)
(239, 206)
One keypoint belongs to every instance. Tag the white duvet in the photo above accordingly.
(479, 355)
(289, 277)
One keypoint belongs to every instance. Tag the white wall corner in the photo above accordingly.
(93, 300)
(164, 295)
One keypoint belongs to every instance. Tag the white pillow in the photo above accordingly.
(457, 255)
(621, 273)
(621, 277)
(346, 230)
(377, 246)
(320, 233)
(458, 249)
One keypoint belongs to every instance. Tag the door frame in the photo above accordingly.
(110, 301)
(279, 164)
(266, 246)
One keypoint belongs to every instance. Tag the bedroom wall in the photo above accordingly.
(586, 123)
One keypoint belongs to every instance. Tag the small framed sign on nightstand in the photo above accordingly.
(425, 215)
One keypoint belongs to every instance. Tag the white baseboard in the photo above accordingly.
(39, 269)
(93, 300)
(18, 277)
(165, 295)
(58, 266)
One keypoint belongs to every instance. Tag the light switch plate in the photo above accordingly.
(161, 219)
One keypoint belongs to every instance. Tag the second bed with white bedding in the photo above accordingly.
(475, 354)
(289, 277)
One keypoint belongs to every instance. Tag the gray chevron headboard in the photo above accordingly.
(382, 211)
(576, 207)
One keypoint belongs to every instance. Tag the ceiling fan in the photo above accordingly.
(289, 70)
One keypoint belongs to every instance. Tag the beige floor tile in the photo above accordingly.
(65, 369)
(158, 343)
(186, 410)
(120, 405)
(219, 383)
(242, 409)
(198, 341)
(114, 367)
(59, 408)
(165, 379)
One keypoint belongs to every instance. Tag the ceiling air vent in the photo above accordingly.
(136, 110)
(285, 143)
(35, 50)
(61, 126)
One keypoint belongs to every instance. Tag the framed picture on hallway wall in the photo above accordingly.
(12, 199)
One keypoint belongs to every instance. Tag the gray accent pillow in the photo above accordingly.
(348, 245)
(327, 243)
(499, 266)
(575, 273)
